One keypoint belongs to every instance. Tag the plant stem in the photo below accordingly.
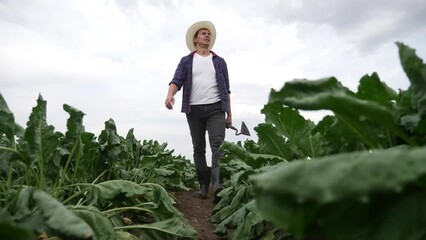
(111, 212)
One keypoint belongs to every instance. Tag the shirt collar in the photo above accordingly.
(213, 53)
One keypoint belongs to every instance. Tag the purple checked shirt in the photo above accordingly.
(183, 77)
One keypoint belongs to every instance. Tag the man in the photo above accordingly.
(205, 101)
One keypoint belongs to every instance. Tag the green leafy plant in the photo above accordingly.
(356, 174)
(76, 185)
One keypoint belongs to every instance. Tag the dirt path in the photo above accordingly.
(198, 211)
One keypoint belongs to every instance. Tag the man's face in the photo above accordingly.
(202, 38)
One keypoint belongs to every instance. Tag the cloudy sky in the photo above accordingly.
(114, 59)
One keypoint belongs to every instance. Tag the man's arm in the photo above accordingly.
(229, 113)
(170, 100)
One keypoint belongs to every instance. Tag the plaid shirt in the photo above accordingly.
(183, 77)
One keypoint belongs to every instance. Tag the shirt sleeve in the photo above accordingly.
(226, 76)
(179, 77)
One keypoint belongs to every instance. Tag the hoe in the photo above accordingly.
(244, 130)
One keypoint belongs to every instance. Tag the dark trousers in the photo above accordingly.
(210, 118)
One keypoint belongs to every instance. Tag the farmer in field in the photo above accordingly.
(205, 101)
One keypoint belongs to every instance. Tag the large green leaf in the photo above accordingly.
(337, 137)
(416, 72)
(74, 122)
(168, 221)
(91, 164)
(172, 228)
(100, 224)
(405, 219)
(295, 128)
(7, 122)
(63, 221)
(255, 160)
(372, 89)
(350, 175)
(134, 148)
(8, 131)
(287, 121)
(71, 149)
(20, 206)
(303, 194)
(245, 220)
(3, 105)
(362, 116)
(112, 149)
(109, 136)
(121, 235)
(162, 204)
(40, 142)
(113, 188)
(10, 230)
(244, 195)
(273, 142)
(311, 145)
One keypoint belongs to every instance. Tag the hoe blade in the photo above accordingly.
(244, 129)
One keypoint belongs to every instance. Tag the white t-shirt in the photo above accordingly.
(204, 86)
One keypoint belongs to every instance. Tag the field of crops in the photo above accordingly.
(356, 174)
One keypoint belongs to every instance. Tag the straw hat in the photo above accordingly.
(194, 28)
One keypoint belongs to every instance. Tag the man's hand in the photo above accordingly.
(228, 119)
(170, 101)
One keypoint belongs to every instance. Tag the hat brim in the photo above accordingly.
(194, 28)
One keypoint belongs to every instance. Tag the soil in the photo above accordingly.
(198, 212)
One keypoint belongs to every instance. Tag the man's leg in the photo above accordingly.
(197, 127)
(216, 129)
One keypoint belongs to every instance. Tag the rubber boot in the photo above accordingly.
(204, 180)
(216, 183)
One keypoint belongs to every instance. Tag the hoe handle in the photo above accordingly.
(233, 128)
